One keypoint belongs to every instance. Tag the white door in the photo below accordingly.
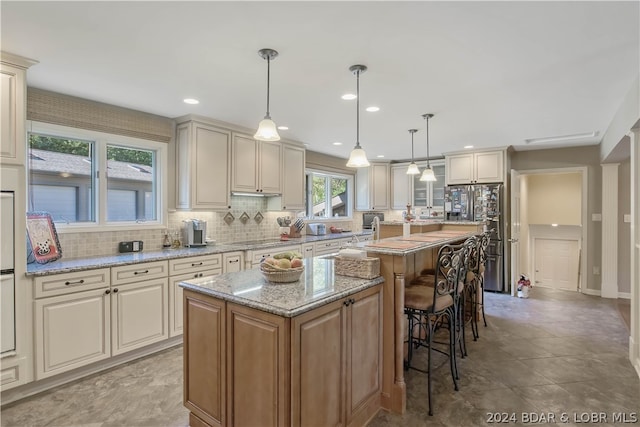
(515, 230)
(556, 264)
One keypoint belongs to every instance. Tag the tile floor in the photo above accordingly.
(554, 353)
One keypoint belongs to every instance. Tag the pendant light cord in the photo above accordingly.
(428, 163)
(268, 79)
(358, 108)
(412, 146)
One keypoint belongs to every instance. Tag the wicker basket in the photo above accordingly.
(363, 268)
(276, 275)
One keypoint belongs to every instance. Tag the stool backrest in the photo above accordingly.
(450, 272)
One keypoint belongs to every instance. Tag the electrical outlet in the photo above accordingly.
(596, 270)
(130, 246)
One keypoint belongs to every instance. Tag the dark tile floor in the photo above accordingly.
(558, 353)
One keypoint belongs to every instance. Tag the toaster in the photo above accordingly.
(316, 229)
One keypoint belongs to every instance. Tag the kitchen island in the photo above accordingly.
(303, 353)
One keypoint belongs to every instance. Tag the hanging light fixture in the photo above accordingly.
(427, 173)
(267, 128)
(358, 157)
(413, 168)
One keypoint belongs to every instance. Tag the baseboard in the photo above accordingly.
(588, 291)
(36, 387)
(634, 354)
(624, 295)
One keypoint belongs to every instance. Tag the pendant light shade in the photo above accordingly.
(427, 173)
(413, 168)
(358, 158)
(267, 130)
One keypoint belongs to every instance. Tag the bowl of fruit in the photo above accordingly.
(285, 267)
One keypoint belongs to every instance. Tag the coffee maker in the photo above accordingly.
(194, 233)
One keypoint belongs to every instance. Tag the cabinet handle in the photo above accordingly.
(347, 302)
(352, 301)
(197, 275)
(107, 292)
(231, 261)
(284, 208)
(77, 282)
(193, 264)
(140, 272)
(115, 291)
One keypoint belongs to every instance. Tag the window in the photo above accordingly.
(329, 195)
(90, 178)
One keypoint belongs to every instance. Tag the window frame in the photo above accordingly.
(329, 174)
(100, 142)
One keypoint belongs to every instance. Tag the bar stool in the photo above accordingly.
(483, 245)
(430, 308)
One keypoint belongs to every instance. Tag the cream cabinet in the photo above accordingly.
(373, 187)
(13, 106)
(254, 257)
(232, 262)
(72, 321)
(421, 195)
(203, 158)
(185, 269)
(326, 247)
(256, 166)
(293, 181)
(475, 168)
(307, 250)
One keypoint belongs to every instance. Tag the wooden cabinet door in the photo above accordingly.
(293, 181)
(270, 167)
(489, 167)
(175, 299)
(401, 188)
(364, 356)
(257, 368)
(245, 166)
(459, 169)
(71, 331)
(10, 88)
(380, 186)
(318, 368)
(139, 314)
(211, 167)
(205, 358)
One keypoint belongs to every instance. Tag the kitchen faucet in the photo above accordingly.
(375, 226)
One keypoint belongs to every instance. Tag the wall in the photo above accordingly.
(627, 115)
(554, 198)
(525, 242)
(624, 228)
(587, 156)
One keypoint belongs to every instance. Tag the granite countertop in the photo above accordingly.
(431, 221)
(79, 264)
(318, 285)
(414, 243)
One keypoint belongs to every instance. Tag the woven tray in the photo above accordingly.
(364, 268)
(282, 276)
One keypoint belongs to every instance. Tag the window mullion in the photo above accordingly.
(327, 196)
(101, 187)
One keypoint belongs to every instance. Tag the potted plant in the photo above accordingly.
(524, 286)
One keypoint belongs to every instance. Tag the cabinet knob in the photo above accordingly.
(107, 292)
(115, 291)
(284, 208)
(347, 302)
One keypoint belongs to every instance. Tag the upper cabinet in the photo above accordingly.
(203, 154)
(256, 165)
(373, 187)
(293, 181)
(408, 189)
(13, 94)
(475, 168)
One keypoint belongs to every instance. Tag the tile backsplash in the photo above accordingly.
(88, 244)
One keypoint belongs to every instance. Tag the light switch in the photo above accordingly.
(596, 217)
(627, 217)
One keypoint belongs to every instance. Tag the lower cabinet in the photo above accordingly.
(232, 262)
(246, 367)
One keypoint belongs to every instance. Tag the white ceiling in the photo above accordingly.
(494, 73)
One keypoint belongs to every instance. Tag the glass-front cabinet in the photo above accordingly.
(425, 197)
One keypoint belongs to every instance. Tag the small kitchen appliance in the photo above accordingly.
(316, 229)
(195, 233)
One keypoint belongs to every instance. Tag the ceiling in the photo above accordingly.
(493, 73)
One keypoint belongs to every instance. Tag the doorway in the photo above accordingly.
(556, 263)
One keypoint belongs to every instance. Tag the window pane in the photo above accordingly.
(339, 197)
(61, 177)
(318, 193)
(131, 193)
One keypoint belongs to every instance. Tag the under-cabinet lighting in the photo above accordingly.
(554, 225)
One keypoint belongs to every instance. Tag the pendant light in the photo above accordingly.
(413, 168)
(427, 173)
(267, 128)
(358, 158)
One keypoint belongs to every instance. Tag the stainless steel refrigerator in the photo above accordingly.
(481, 202)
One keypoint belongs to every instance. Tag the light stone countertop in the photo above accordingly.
(79, 264)
(402, 246)
(318, 285)
(431, 221)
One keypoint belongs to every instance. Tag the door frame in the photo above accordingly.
(584, 171)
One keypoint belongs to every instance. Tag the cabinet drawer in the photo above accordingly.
(257, 255)
(60, 284)
(138, 272)
(323, 248)
(194, 264)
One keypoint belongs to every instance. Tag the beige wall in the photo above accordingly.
(588, 157)
(554, 198)
(624, 228)
(524, 228)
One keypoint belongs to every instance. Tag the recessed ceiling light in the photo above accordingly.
(373, 109)
(468, 146)
(191, 101)
(561, 138)
(283, 127)
(337, 143)
(348, 96)
(380, 156)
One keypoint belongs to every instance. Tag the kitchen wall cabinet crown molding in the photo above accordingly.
(256, 166)
(373, 187)
(476, 167)
(203, 159)
(13, 108)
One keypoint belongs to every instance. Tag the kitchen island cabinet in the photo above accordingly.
(306, 353)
